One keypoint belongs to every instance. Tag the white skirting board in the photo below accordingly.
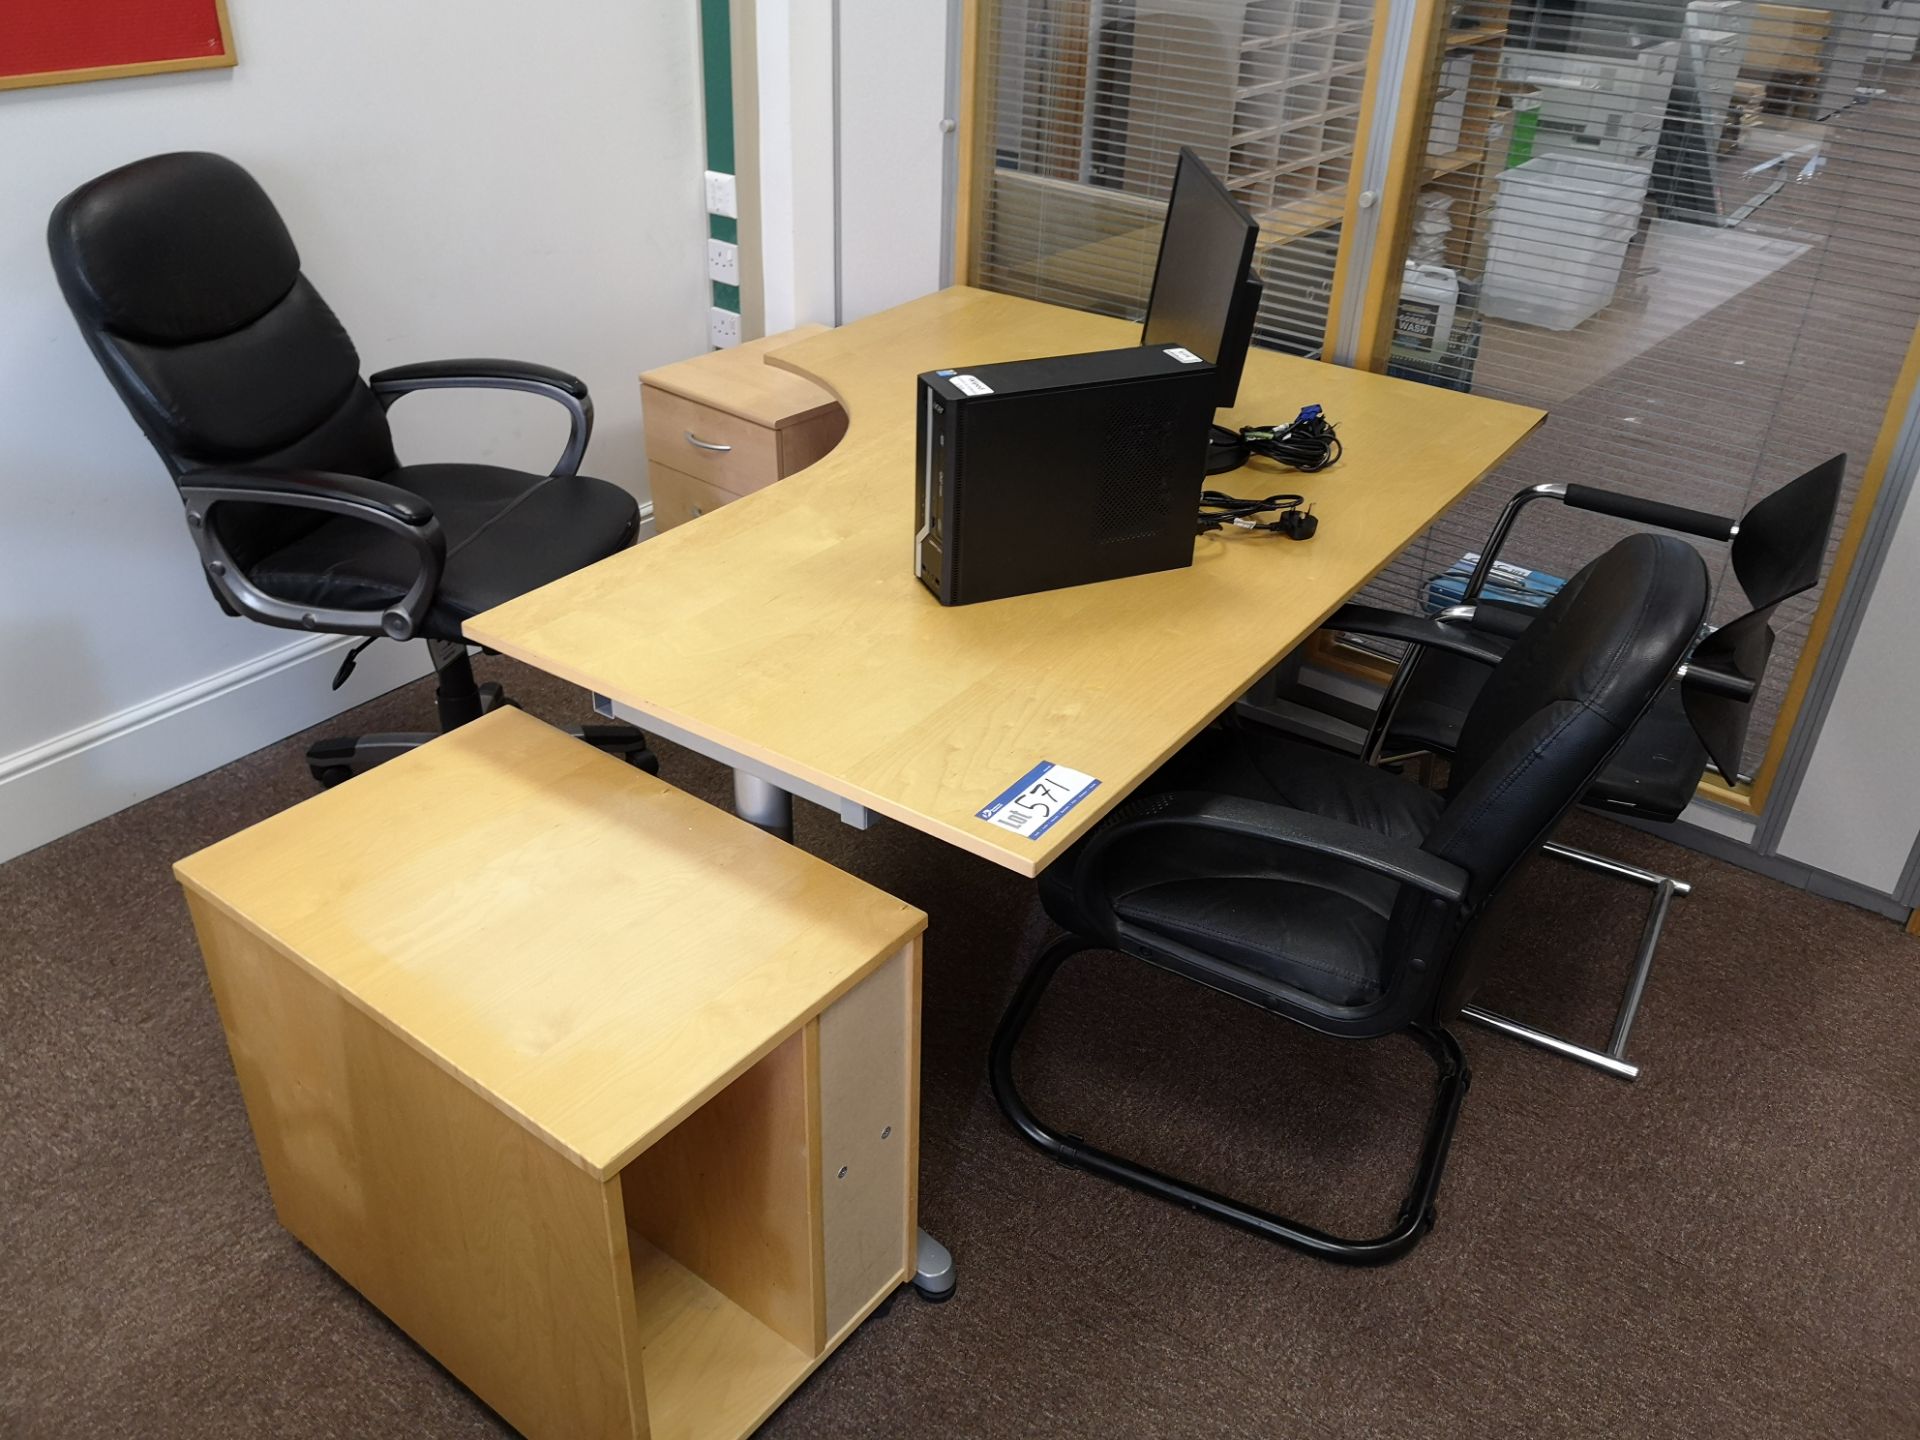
(53, 788)
(89, 773)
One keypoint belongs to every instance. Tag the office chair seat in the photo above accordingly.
(1283, 915)
(507, 532)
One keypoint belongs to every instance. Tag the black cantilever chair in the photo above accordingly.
(188, 289)
(1343, 897)
(1777, 548)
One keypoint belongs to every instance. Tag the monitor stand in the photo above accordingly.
(1225, 450)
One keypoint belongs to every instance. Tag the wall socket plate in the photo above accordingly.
(722, 196)
(723, 262)
(723, 328)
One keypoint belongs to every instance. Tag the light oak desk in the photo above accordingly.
(785, 635)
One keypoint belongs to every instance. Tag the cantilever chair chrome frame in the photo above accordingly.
(1717, 699)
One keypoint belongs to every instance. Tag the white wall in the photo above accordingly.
(831, 260)
(893, 70)
(483, 177)
(794, 69)
(1857, 810)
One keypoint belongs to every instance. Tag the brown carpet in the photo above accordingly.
(1727, 1248)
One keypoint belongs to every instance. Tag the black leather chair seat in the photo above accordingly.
(1304, 921)
(560, 523)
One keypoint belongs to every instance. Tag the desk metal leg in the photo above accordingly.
(762, 803)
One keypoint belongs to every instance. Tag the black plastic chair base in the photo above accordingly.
(1416, 1214)
(332, 761)
(458, 700)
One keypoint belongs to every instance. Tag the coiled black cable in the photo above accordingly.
(1306, 443)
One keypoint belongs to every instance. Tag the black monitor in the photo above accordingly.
(1204, 294)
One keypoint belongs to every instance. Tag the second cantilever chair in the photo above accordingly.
(1777, 548)
(1345, 898)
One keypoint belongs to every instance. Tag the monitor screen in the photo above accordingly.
(1203, 296)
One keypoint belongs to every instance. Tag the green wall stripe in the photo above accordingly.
(716, 73)
(716, 65)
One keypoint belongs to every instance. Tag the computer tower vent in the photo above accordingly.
(1137, 463)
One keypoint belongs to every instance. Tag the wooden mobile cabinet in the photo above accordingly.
(606, 1098)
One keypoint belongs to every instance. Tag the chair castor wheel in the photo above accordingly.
(623, 741)
(330, 761)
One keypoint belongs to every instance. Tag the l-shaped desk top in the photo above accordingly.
(788, 627)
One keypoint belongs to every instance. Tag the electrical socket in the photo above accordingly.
(723, 328)
(723, 262)
(722, 197)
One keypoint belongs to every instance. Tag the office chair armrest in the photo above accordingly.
(1418, 630)
(569, 391)
(1656, 513)
(1600, 502)
(398, 511)
(1272, 824)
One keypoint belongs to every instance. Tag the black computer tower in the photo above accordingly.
(1035, 474)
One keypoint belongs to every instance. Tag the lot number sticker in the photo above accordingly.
(1032, 804)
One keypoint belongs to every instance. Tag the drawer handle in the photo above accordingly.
(695, 440)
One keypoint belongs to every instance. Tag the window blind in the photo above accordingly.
(1685, 230)
(1088, 102)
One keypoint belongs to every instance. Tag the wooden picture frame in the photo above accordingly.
(66, 41)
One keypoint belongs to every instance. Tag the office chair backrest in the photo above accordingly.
(1556, 708)
(1777, 554)
(188, 288)
(1783, 538)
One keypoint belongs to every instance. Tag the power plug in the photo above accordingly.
(1297, 524)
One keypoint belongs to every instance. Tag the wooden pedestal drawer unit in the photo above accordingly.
(725, 424)
(606, 1098)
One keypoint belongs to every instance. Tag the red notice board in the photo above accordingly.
(50, 42)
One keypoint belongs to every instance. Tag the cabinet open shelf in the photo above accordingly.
(767, 1222)
(711, 1369)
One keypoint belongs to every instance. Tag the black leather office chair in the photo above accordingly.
(188, 289)
(1343, 897)
(1777, 548)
